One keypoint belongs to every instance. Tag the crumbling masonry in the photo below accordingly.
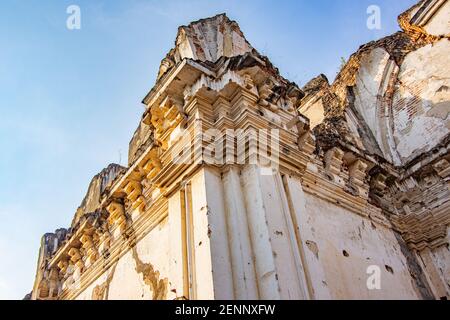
(362, 181)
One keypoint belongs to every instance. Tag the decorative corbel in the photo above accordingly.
(442, 168)
(86, 241)
(88, 246)
(378, 183)
(63, 265)
(68, 279)
(248, 82)
(53, 279)
(306, 140)
(307, 143)
(165, 118)
(147, 117)
(153, 165)
(105, 242)
(75, 257)
(265, 91)
(333, 161)
(357, 173)
(74, 254)
(117, 215)
(133, 189)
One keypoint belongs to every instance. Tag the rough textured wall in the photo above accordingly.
(369, 87)
(46, 283)
(140, 141)
(436, 263)
(206, 40)
(421, 102)
(398, 87)
(439, 24)
(416, 115)
(342, 246)
(99, 184)
(140, 274)
(256, 216)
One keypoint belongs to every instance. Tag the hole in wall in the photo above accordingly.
(312, 246)
(345, 253)
(389, 269)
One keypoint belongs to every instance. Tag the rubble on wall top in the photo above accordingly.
(412, 37)
(206, 40)
(316, 84)
(339, 96)
(217, 44)
(98, 185)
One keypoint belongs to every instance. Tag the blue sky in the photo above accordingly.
(71, 100)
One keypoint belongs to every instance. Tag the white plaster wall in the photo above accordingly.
(87, 293)
(278, 265)
(327, 230)
(282, 238)
(441, 257)
(176, 271)
(439, 24)
(242, 261)
(369, 85)
(421, 103)
(250, 256)
(286, 264)
(441, 260)
(212, 255)
(265, 257)
(126, 283)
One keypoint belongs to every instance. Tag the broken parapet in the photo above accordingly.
(99, 184)
(206, 40)
(390, 93)
(46, 284)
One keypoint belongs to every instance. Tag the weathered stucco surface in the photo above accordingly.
(439, 24)
(335, 232)
(360, 182)
(421, 102)
(126, 280)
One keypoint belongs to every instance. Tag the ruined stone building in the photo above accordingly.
(356, 205)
